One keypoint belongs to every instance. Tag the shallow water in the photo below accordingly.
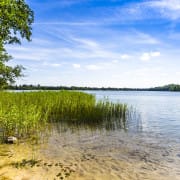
(148, 147)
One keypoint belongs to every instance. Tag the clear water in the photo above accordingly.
(153, 133)
(159, 112)
(148, 148)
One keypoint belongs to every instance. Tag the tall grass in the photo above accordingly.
(26, 113)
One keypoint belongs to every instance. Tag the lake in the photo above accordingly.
(148, 147)
(159, 112)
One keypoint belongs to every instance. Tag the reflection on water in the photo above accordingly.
(131, 122)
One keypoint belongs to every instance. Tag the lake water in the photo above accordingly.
(159, 112)
(147, 148)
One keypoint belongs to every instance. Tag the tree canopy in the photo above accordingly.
(16, 20)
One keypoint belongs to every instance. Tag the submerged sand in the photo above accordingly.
(86, 156)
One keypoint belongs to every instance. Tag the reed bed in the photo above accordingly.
(27, 113)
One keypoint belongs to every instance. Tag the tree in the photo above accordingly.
(16, 20)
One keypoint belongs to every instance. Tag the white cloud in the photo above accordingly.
(167, 8)
(166, 4)
(148, 55)
(51, 64)
(145, 57)
(86, 42)
(76, 66)
(144, 38)
(93, 67)
(55, 65)
(78, 23)
(148, 9)
(125, 56)
(155, 54)
(115, 61)
(33, 57)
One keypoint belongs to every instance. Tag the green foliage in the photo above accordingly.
(8, 74)
(26, 113)
(16, 19)
(169, 87)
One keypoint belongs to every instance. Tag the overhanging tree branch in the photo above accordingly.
(16, 20)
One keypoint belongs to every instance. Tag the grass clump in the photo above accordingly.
(26, 113)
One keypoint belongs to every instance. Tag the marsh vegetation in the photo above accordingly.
(29, 113)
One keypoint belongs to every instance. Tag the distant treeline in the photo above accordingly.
(170, 87)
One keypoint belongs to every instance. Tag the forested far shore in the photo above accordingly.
(170, 87)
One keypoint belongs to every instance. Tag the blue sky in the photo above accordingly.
(109, 43)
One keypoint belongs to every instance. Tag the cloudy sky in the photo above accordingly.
(110, 43)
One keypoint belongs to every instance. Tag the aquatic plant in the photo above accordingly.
(27, 113)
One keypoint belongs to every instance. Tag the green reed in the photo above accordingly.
(27, 113)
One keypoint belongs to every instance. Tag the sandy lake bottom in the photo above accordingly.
(91, 154)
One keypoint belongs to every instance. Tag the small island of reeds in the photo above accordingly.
(23, 114)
